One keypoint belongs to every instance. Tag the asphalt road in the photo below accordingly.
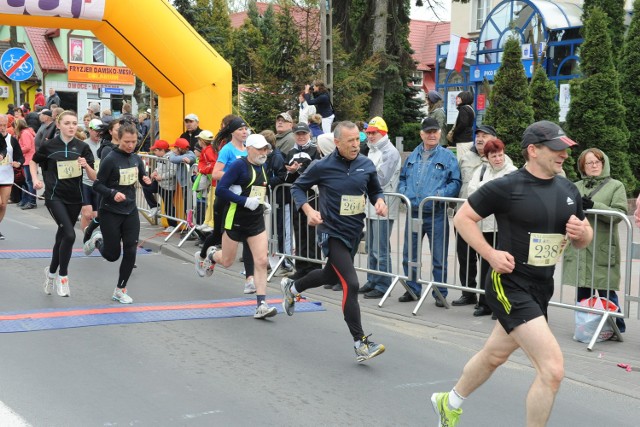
(286, 371)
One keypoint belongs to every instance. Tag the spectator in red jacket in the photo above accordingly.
(40, 100)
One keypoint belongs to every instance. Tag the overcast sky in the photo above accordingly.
(425, 13)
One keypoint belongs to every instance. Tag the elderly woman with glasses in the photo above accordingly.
(596, 269)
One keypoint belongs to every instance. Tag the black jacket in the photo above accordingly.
(191, 137)
(113, 177)
(67, 190)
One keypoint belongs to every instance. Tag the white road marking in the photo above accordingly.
(10, 418)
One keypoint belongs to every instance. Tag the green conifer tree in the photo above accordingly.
(596, 115)
(286, 46)
(629, 72)
(543, 96)
(614, 10)
(246, 41)
(509, 110)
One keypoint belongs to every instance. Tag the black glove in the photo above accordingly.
(587, 203)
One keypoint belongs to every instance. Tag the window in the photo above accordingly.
(480, 11)
(98, 52)
(76, 50)
(417, 78)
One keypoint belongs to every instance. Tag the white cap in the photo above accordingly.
(95, 124)
(257, 141)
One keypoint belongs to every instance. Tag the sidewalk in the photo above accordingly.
(458, 326)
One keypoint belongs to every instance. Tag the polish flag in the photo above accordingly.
(457, 51)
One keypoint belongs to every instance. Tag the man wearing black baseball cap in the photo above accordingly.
(547, 133)
(538, 213)
(430, 170)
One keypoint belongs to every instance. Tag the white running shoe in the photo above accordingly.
(264, 310)
(48, 281)
(200, 264)
(169, 229)
(153, 212)
(62, 286)
(121, 296)
(90, 245)
(249, 287)
(209, 263)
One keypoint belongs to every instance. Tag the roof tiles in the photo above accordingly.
(47, 54)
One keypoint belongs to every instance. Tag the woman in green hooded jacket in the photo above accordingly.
(599, 191)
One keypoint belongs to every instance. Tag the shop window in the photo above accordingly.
(98, 52)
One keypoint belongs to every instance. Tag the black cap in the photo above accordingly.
(236, 124)
(301, 127)
(547, 133)
(430, 124)
(489, 130)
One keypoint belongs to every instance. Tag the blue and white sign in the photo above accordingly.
(17, 64)
(113, 90)
(527, 50)
(488, 71)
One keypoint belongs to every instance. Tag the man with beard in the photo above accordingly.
(244, 186)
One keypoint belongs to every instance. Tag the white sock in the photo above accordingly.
(294, 290)
(455, 400)
(357, 344)
(51, 275)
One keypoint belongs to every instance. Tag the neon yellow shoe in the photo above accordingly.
(446, 417)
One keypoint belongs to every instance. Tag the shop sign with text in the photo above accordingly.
(101, 74)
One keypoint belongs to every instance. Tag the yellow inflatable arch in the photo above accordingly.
(153, 39)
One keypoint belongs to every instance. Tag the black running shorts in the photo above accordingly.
(516, 300)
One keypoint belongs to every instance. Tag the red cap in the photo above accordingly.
(160, 145)
(181, 143)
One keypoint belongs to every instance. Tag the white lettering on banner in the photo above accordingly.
(79, 9)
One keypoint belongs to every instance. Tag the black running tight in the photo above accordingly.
(116, 228)
(65, 215)
(339, 269)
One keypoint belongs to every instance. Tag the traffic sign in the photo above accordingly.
(113, 90)
(17, 64)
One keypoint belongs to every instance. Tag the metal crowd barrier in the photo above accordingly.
(426, 278)
(293, 240)
(440, 211)
(603, 221)
(384, 234)
(177, 204)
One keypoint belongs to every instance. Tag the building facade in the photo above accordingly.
(75, 63)
(550, 28)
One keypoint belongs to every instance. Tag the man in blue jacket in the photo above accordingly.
(345, 179)
(430, 170)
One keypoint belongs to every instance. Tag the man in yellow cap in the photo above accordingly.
(386, 159)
